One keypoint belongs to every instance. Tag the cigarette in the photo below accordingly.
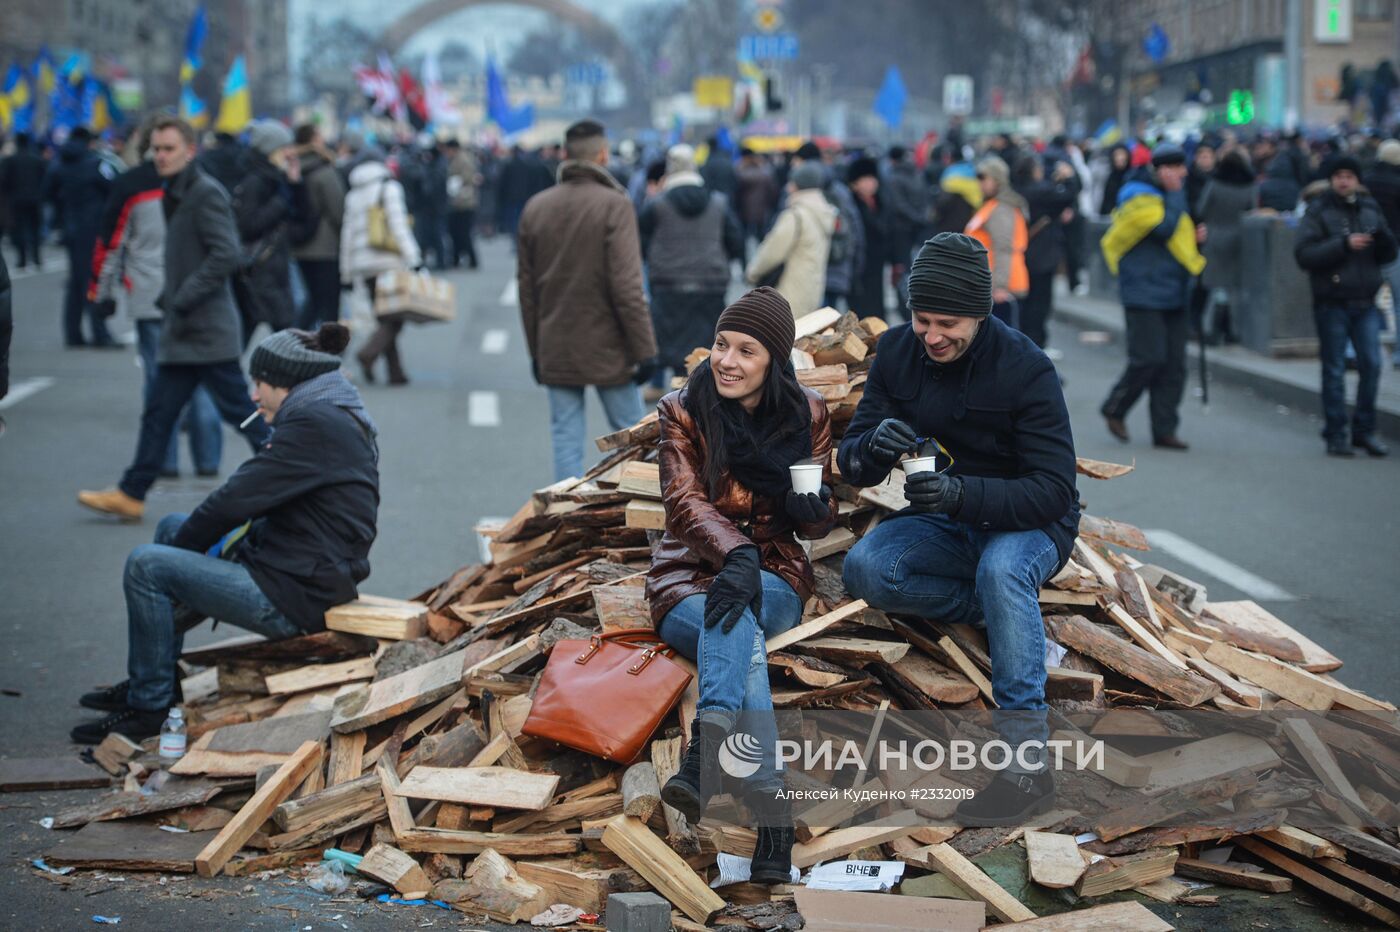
(249, 419)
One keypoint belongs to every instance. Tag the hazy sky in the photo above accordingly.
(498, 24)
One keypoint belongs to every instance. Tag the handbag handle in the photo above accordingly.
(631, 637)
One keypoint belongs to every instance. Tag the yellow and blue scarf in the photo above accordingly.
(1140, 210)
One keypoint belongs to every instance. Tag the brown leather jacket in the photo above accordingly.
(700, 532)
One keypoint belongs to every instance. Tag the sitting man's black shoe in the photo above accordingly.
(136, 724)
(113, 698)
(1009, 799)
(1371, 445)
(699, 776)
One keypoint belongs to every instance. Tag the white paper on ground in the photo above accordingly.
(1217, 855)
(1054, 653)
(856, 876)
(734, 869)
(1085, 838)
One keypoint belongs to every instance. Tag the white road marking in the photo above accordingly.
(483, 409)
(1256, 587)
(494, 341)
(22, 390)
(510, 296)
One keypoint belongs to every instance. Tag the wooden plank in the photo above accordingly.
(374, 616)
(855, 651)
(1054, 859)
(1141, 636)
(1132, 661)
(1303, 842)
(129, 805)
(578, 884)
(1253, 617)
(1126, 872)
(129, 846)
(641, 793)
(347, 757)
(258, 809)
(1130, 916)
(622, 607)
(1319, 881)
(446, 841)
(1099, 469)
(839, 540)
(935, 680)
(401, 693)
(1320, 759)
(400, 816)
(502, 787)
(321, 675)
(1202, 760)
(493, 885)
(67, 772)
(809, 671)
(680, 834)
(814, 627)
(945, 859)
(1231, 875)
(842, 911)
(815, 322)
(1304, 689)
(641, 480)
(1061, 683)
(1138, 601)
(389, 865)
(328, 804)
(1112, 532)
(836, 844)
(1376, 885)
(114, 751)
(1118, 767)
(664, 869)
(650, 516)
(967, 668)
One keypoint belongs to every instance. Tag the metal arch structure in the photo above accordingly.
(598, 31)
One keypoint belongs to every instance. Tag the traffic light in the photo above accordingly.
(1240, 108)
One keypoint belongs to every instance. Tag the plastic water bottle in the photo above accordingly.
(172, 735)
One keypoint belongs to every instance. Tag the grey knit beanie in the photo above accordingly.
(289, 357)
(267, 136)
(951, 275)
(808, 175)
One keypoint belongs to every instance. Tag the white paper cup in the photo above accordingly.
(920, 464)
(806, 478)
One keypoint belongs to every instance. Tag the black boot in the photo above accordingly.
(136, 724)
(772, 854)
(113, 698)
(1008, 800)
(689, 791)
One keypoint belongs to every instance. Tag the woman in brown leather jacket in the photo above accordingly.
(729, 571)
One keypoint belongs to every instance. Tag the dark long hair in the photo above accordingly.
(781, 413)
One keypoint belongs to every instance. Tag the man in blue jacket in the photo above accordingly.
(309, 500)
(982, 535)
(1154, 282)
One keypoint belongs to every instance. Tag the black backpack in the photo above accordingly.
(840, 249)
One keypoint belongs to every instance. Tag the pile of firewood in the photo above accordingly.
(396, 733)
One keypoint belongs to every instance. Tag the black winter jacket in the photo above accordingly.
(77, 185)
(22, 177)
(273, 215)
(999, 410)
(1383, 182)
(312, 493)
(1341, 275)
(1045, 201)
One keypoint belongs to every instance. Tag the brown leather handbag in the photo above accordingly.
(607, 695)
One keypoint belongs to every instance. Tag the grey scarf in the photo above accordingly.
(327, 388)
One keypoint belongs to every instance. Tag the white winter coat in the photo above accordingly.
(801, 238)
(369, 182)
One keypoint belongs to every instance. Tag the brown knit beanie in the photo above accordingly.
(765, 315)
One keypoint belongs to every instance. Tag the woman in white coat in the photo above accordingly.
(373, 186)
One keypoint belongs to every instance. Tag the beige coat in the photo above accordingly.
(799, 241)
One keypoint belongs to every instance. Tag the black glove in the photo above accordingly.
(892, 439)
(808, 507)
(737, 586)
(934, 492)
(645, 370)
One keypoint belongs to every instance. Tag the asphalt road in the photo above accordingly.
(468, 438)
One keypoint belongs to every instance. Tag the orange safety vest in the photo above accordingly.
(1020, 281)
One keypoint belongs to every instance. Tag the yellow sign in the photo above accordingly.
(768, 19)
(714, 91)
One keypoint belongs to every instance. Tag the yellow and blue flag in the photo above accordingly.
(1140, 210)
(960, 178)
(236, 107)
(194, 45)
(45, 78)
(17, 100)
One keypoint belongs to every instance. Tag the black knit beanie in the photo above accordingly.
(290, 357)
(950, 275)
(765, 315)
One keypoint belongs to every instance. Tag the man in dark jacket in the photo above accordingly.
(425, 183)
(983, 534)
(579, 272)
(867, 296)
(1047, 199)
(21, 187)
(309, 501)
(318, 257)
(756, 193)
(1342, 243)
(689, 237)
(1154, 284)
(273, 209)
(226, 161)
(200, 339)
(718, 170)
(77, 185)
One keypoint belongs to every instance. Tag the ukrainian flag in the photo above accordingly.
(45, 78)
(960, 178)
(17, 101)
(236, 107)
(1141, 210)
(194, 45)
(192, 109)
(1108, 133)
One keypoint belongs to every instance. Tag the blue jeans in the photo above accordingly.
(156, 577)
(734, 666)
(1336, 327)
(1392, 275)
(169, 393)
(622, 403)
(934, 567)
(200, 418)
